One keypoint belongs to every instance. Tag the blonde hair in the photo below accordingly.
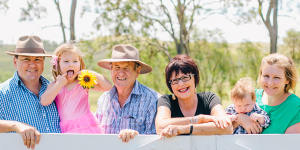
(243, 87)
(285, 63)
(67, 47)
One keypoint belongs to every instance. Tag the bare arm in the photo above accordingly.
(7, 126)
(163, 119)
(223, 120)
(29, 134)
(102, 83)
(293, 129)
(198, 129)
(53, 89)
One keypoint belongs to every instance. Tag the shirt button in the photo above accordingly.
(44, 115)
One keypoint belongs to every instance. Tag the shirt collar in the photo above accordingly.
(17, 80)
(135, 91)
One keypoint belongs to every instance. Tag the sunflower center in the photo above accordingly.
(86, 78)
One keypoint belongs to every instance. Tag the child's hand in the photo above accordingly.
(62, 79)
(258, 118)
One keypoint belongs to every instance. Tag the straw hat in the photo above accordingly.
(124, 53)
(29, 46)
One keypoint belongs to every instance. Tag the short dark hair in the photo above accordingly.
(182, 63)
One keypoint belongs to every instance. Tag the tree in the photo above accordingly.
(72, 19)
(247, 11)
(292, 41)
(62, 25)
(271, 24)
(34, 10)
(149, 17)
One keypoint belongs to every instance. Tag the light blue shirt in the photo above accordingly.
(18, 103)
(138, 112)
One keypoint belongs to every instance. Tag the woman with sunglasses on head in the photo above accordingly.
(186, 112)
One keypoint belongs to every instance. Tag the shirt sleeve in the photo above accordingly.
(296, 119)
(266, 116)
(99, 106)
(230, 110)
(150, 120)
(1, 108)
(164, 101)
(210, 100)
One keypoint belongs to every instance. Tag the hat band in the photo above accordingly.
(30, 50)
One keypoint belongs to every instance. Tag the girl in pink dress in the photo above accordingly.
(72, 99)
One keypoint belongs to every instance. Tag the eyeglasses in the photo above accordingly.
(184, 78)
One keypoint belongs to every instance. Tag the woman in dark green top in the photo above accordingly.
(277, 77)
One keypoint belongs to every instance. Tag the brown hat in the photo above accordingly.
(124, 53)
(29, 46)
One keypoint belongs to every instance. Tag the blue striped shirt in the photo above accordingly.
(18, 103)
(138, 112)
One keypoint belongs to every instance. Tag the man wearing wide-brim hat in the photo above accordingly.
(19, 96)
(129, 108)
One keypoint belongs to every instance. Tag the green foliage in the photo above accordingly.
(100, 48)
(220, 64)
(249, 59)
(292, 43)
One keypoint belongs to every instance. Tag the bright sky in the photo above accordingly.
(11, 28)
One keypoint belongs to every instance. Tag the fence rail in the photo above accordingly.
(12, 141)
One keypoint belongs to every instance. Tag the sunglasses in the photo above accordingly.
(184, 78)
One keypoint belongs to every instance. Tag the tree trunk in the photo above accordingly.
(275, 27)
(271, 26)
(62, 25)
(179, 48)
(72, 20)
(273, 42)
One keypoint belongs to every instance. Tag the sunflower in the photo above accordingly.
(87, 79)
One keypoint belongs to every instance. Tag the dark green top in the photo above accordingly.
(283, 115)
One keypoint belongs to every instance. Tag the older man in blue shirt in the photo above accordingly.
(129, 108)
(20, 95)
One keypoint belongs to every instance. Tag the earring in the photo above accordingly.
(173, 97)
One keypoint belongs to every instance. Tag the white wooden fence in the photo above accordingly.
(12, 141)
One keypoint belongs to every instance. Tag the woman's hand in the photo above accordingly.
(127, 134)
(252, 127)
(169, 131)
(221, 121)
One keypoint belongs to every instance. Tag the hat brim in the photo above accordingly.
(106, 64)
(28, 54)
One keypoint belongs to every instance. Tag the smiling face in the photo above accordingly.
(273, 80)
(183, 85)
(69, 64)
(124, 74)
(244, 105)
(29, 68)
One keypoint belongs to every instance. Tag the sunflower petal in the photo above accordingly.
(87, 83)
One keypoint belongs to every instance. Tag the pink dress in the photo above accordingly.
(74, 111)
